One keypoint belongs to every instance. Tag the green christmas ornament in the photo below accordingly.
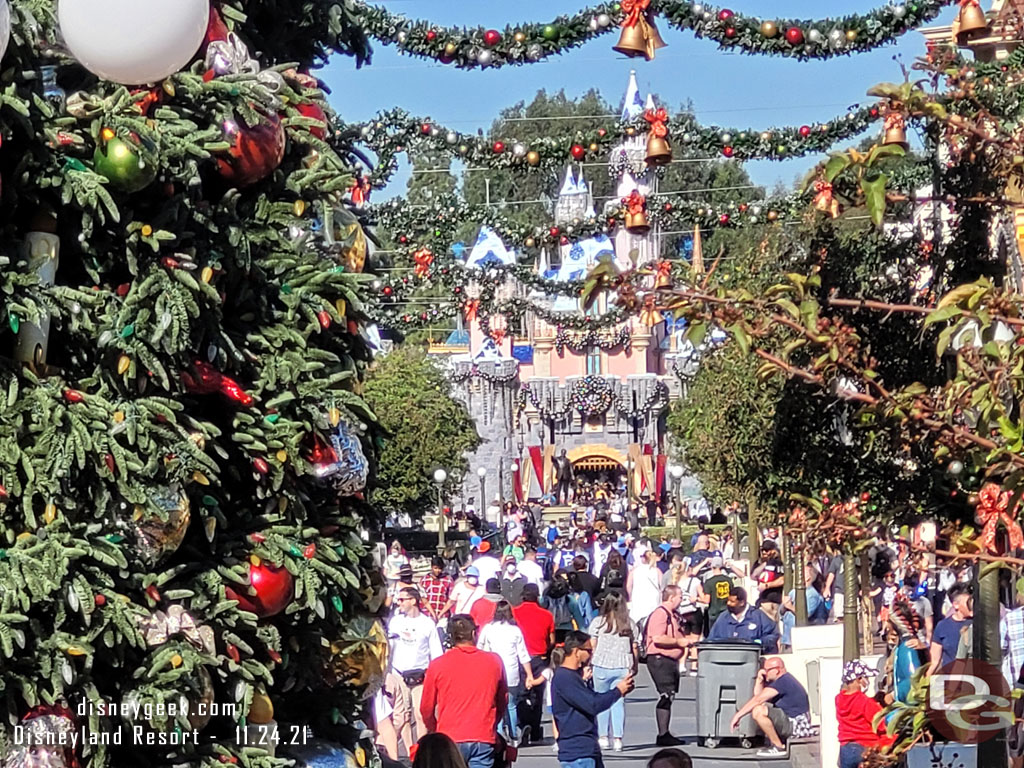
(122, 164)
(550, 32)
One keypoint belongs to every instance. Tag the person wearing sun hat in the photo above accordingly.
(856, 713)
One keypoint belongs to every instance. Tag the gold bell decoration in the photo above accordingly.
(636, 213)
(970, 22)
(639, 35)
(895, 130)
(659, 152)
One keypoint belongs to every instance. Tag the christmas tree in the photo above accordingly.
(183, 445)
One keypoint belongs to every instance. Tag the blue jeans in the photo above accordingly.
(477, 754)
(583, 762)
(850, 755)
(515, 693)
(604, 680)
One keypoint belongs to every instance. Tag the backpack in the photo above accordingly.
(559, 608)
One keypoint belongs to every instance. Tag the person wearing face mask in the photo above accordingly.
(856, 715)
(741, 622)
(466, 591)
(512, 582)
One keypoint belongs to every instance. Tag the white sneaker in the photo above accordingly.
(603, 742)
(617, 745)
(774, 752)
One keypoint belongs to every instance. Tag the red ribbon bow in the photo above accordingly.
(472, 306)
(657, 118)
(498, 335)
(423, 258)
(635, 203)
(663, 276)
(993, 504)
(963, 3)
(635, 10)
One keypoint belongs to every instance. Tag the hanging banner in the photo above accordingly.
(537, 461)
(659, 476)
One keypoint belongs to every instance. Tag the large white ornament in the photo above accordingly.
(5, 26)
(133, 41)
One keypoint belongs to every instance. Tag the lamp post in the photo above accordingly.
(482, 474)
(676, 473)
(440, 476)
(512, 480)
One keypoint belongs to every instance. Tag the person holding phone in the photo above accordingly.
(575, 705)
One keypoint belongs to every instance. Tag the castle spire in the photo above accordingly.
(633, 104)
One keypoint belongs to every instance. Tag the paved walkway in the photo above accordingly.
(641, 731)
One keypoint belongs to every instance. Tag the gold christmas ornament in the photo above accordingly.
(158, 535)
(769, 28)
(261, 711)
(450, 49)
(359, 657)
(533, 157)
(851, 35)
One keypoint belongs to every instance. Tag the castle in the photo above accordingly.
(601, 394)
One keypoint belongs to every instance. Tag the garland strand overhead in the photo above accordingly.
(396, 131)
(530, 42)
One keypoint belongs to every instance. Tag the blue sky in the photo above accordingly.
(732, 90)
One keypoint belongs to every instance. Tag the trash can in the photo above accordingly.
(725, 681)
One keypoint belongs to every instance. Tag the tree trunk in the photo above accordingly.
(798, 579)
(987, 647)
(753, 537)
(866, 605)
(851, 639)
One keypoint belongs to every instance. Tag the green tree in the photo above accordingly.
(431, 178)
(175, 522)
(427, 429)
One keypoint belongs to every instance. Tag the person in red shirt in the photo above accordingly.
(465, 696)
(538, 627)
(482, 611)
(856, 714)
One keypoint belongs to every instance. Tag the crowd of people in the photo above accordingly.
(559, 618)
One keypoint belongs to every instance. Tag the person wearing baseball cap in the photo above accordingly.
(488, 566)
(856, 714)
(466, 591)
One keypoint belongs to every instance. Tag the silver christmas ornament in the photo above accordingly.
(603, 20)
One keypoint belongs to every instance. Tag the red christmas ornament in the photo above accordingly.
(325, 318)
(730, 31)
(794, 36)
(743, 207)
(100, 600)
(309, 552)
(255, 151)
(431, 35)
(153, 593)
(260, 465)
(403, 239)
(233, 653)
(208, 379)
(216, 29)
(723, 219)
(425, 129)
(387, 290)
(564, 240)
(578, 152)
(314, 112)
(727, 151)
(108, 459)
(866, 496)
(275, 588)
(725, 14)
(805, 130)
(601, 132)
(123, 288)
(73, 396)
(498, 147)
(553, 232)
(274, 655)
(668, 207)
(492, 37)
(873, 111)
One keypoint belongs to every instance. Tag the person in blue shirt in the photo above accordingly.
(948, 632)
(575, 705)
(780, 707)
(741, 622)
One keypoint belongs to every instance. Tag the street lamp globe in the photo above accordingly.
(482, 472)
(440, 476)
(515, 466)
(676, 472)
